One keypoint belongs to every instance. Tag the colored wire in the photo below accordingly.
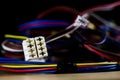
(101, 7)
(16, 61)
(103, 41)
(15, 36)
(69, 30)
(54, 65)
(97, 63)
(46, 23)
(28, 66)
(23, 62)
(40, 23)
(15, 41)
(9, 48)
(58, 8)
(99, 68)
(97, 52)
(17, 56)
(27, 70)
(105, 22)
(7, 59)
(107, 52)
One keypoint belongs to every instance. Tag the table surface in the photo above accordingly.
(114, 75)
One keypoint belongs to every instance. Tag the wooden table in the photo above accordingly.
(114, 75)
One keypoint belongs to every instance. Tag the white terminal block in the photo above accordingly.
(35, 49)
(81, 21)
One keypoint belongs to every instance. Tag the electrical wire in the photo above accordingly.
(117, 56)
(23, 62)
(42, 24)
(58, 8)
(105, 22)
(98, 53)
(15, 41)
(28, 66)
(9, 48)
(101, 7)
(99, 68)
(24, 66)
(28, 70)
(98, 63)
(15, 37)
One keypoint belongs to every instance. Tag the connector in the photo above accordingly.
(35, 49)
(81, 21)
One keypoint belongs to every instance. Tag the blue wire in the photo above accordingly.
(45, 26)
(23, 62)
(39, 21)
(41, 25)
(8, 59)
(103, 41)
(48, 71)
(15, 40)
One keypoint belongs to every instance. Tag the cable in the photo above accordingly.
(97, 52)
(58, 8)
(17, 61)
(15, 41)
(101, 7)
(15, 36)
(42, 24)
(107, 52)
(98, 63)
(106, 23)
(99, 68)
(28, 70)
(9, 48)
(28, 66)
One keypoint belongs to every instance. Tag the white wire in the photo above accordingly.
(104, 21)
(10, 49)
(68, 33)
(75, 26)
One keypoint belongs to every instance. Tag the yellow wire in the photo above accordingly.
(98, 63)
(15, 36)
(28, 66)
(54, 65)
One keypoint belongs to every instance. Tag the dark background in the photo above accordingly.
(16, 12)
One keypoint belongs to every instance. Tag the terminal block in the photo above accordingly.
(35, 49)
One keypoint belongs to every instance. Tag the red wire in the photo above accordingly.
(29, 70)
(100, 7)
(10, 55)
(87, 66)
(42, 23)
(58, 8)
(75, 12)
(97, 52)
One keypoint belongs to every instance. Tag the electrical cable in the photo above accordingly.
(10, 49)
(15, 36)
(101, 7)
(14, 65)
(28, 66)
(28, 70)
(58, 8)
(98, 53)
